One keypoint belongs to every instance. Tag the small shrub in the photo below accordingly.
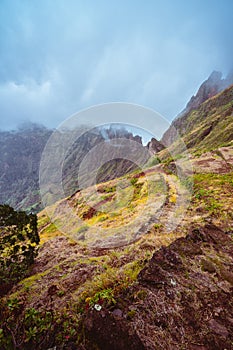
(157, 226)
(133, 181)
(18, 245)
(153, 161)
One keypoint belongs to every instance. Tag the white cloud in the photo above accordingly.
(26, 101)
(58, 59)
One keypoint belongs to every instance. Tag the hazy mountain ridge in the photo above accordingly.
(114, 168)
(19, 166)
(208, 127)
(200, 124)
(20, 158)
(209, 88)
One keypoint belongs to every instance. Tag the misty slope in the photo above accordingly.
(19, 166)
(85, 144)
(20, 158)
(206, 128)
(190, 117)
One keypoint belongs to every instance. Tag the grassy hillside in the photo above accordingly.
(77, 291)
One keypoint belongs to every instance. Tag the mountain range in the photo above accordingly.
(20, 157)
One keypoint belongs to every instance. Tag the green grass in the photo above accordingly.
(214, 193)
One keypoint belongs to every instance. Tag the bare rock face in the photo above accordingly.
(208, 89)
(155, 146)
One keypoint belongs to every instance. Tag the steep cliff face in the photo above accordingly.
(209, 88)
(101, 137)
(20, 161)
(19, 166)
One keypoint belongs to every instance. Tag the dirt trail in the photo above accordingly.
(172, 212)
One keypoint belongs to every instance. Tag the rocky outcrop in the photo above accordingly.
(209, 88)
(183, 299)
(219, 161)
(155, 146)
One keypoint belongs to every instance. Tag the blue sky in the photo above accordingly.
(60, 56)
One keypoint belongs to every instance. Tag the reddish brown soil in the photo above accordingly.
(183, 299)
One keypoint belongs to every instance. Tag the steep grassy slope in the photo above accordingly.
(208, 128)
(117, 212)
(211, 126)
(187, 120)
(78, 295)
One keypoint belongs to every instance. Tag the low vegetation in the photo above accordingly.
(18, 245)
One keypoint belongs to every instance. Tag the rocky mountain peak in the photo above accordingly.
(208, 88)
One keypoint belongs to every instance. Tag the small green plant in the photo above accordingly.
(168, 160)
(153, 161)
(157, 226)
(13, 304)
(105, 296)
(141, 294)
(60, 293)
(109, 189)
(202, 193)
(213, 205)
(37, 323)
(133, 181)
(102, 218)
